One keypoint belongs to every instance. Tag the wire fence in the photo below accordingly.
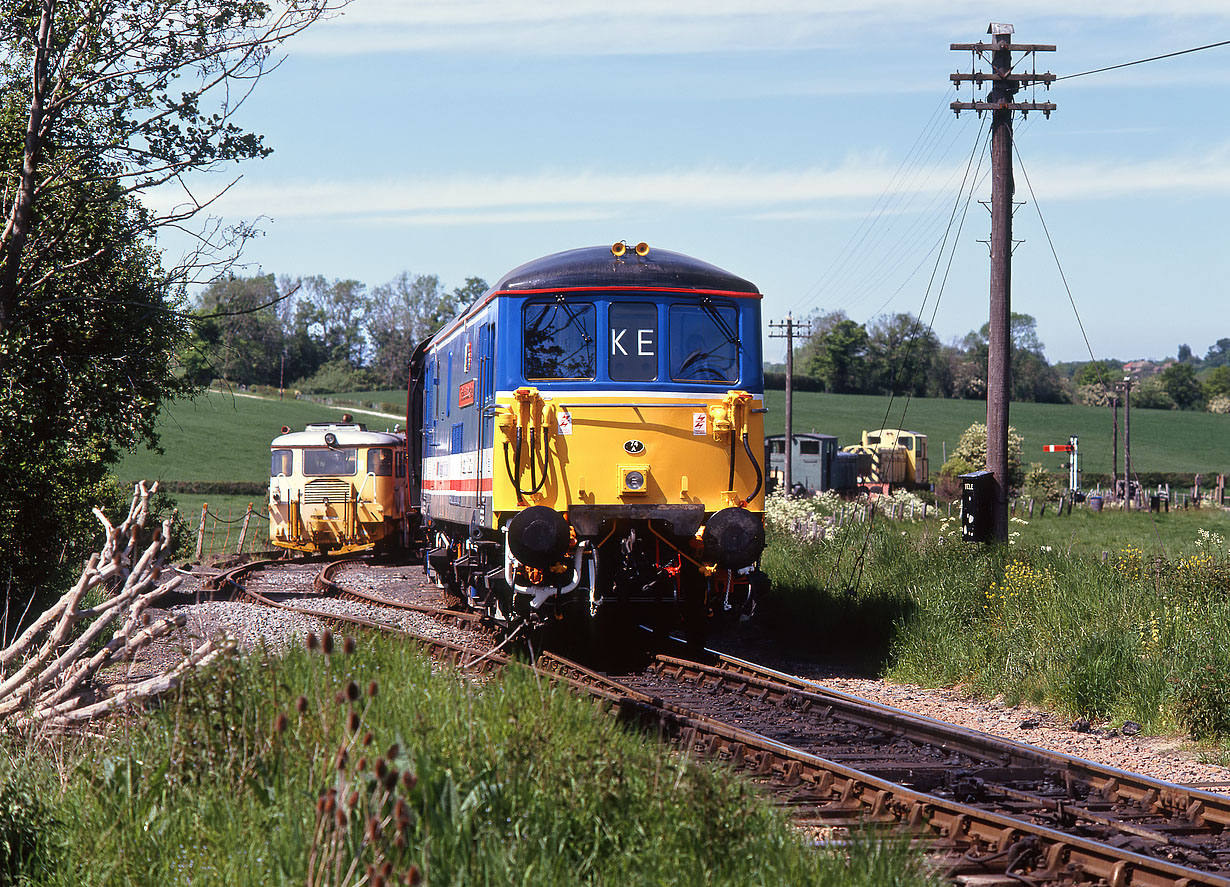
(229, 533)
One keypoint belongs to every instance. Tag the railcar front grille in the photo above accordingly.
(321, 491)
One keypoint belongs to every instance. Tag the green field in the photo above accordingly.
(221, 437)
(226, 437)
(1163, 441)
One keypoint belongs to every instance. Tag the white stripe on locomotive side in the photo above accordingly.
(455, 475)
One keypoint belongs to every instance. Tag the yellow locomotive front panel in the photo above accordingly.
(337, 488)
(671, 452)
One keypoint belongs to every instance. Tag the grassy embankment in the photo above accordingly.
(310, 768)
(1143, 635)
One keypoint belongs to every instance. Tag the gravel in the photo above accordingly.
(1167, 758)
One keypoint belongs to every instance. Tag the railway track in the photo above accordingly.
(991, 811)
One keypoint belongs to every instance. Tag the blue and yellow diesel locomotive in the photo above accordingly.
(585, 438)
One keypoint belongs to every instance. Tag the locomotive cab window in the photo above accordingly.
(703, 343)
(809, 448)
(283, 462)
(633, 352)
(560, 341)
(322, 462)
(380, 462)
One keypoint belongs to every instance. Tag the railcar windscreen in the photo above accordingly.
(282, 463)
(322, 462)
(380, 462)
(701, 350)
(633, 355)
(560, 340)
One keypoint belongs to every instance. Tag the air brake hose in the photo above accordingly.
(755, 464)
(730, 484)
(535, 486)
(514, 475)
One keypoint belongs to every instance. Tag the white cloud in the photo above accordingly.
(780, 193)
(682, 26)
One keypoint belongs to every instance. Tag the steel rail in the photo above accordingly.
(1111, 783)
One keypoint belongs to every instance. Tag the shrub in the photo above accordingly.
(335, 376)
(26, 829)
(1204, 696)
(1040, 484)
(972, 448)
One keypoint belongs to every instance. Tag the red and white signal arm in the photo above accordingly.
(1057, 448)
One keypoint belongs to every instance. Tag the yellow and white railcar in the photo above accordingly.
(336, 488)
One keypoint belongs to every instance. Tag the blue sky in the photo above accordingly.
(806, 146)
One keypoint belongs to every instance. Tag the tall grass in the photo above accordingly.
(365, 767)
(1138, 636)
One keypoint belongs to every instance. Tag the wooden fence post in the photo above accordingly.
(200, 533)
(243, 531)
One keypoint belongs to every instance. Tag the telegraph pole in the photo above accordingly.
(1114, 439)
(1127, 439)
(788, 327)
(1005, 83)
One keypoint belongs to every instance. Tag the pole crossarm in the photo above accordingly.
(1044, 107)
(1011, 47)
(981, 77)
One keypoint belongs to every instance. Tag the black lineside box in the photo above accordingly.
(977, 501)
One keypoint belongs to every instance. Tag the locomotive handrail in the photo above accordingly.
(371, 475)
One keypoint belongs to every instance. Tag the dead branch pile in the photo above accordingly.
(46, 673)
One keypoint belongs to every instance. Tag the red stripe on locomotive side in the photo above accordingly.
(455, 485)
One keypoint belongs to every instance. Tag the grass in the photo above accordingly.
(1162, 440)
(221, 437)
(365, 767)
(1082, 615)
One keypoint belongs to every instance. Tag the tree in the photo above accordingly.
(238, 335)
(85, 369)
(407, 310)
(1217, 382)
(838, 356)
(143, 92)
(334, 315)
(1179, 381)
(1032, 379)
(1185, 354)
(1219, 354)
(903, 357)
(100, 103)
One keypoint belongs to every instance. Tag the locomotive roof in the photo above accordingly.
(597, 267)
(347, 434)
